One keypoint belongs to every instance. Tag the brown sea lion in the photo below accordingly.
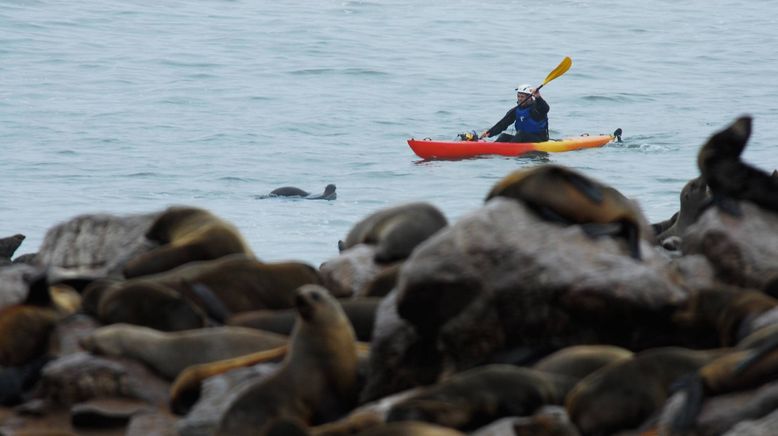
(695, 196)
(409, 428)
(170, 353)
(729, 177)
(231, 284)
(578, 361)
(559, 194)
(361, 312)
(397, 230)
(317, 381)
(150, 305)
(186, 234)
(728, 311)
(25, 327)
(740, 370)
(478, 396)
(623, 395)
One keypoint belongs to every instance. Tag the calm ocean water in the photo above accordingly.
(124, 107)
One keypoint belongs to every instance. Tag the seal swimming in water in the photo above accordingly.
(728, 177)
(291, 191)
(559, 194)
(317, 381)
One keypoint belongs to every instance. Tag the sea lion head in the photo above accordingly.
(311, 299)
(329, 190)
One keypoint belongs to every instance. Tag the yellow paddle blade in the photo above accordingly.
(559, 70)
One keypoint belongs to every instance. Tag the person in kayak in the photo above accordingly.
(529, 116)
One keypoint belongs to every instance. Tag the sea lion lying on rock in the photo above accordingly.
(186, 234)
(562, 195)
(397, 230)
(218, 288)
(171, 353)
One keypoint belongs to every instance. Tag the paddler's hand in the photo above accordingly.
(484, 134)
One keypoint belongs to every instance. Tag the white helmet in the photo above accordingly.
(525, 88)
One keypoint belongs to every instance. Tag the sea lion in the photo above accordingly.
(318, 379)
(291, 191)
(186, 234)
(478, 396)
(396, 231)
(220, 287)
(728, 311)
(25, 327)
(728, 177)
(578, 361)
(739, 370)
(151, 305)
(561, 195)
(360, 312)
(695, 196)
(8, 247)
(171, 353)
(624, 394)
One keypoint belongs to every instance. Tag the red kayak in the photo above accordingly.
(429, 149)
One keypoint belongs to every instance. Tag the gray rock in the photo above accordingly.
(350, 273)
(501, 278)
(93, 246)
(217, 394)
(15, 281)
(743, 250)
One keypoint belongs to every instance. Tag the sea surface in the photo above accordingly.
(130, 106)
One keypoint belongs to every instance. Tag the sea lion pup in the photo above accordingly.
(578, 361)
(360, 312)
(726, 310)
(317, 381)
(186, 234)
(561, 195)
(623, 395)
(478, 396)
(220, 287)
(396, 231)
(695, 196)
(171, 353)
(728, 177)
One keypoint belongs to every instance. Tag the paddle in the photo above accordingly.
(558, 71)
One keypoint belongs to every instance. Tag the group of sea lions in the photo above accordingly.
(417, 326)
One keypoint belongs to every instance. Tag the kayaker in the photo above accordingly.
(529, 116)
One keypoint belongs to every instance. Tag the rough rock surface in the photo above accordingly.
(93, 246)
(743, 250)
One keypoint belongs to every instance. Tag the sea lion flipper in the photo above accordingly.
(585, 186)
(693, 387)
(214, 306)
